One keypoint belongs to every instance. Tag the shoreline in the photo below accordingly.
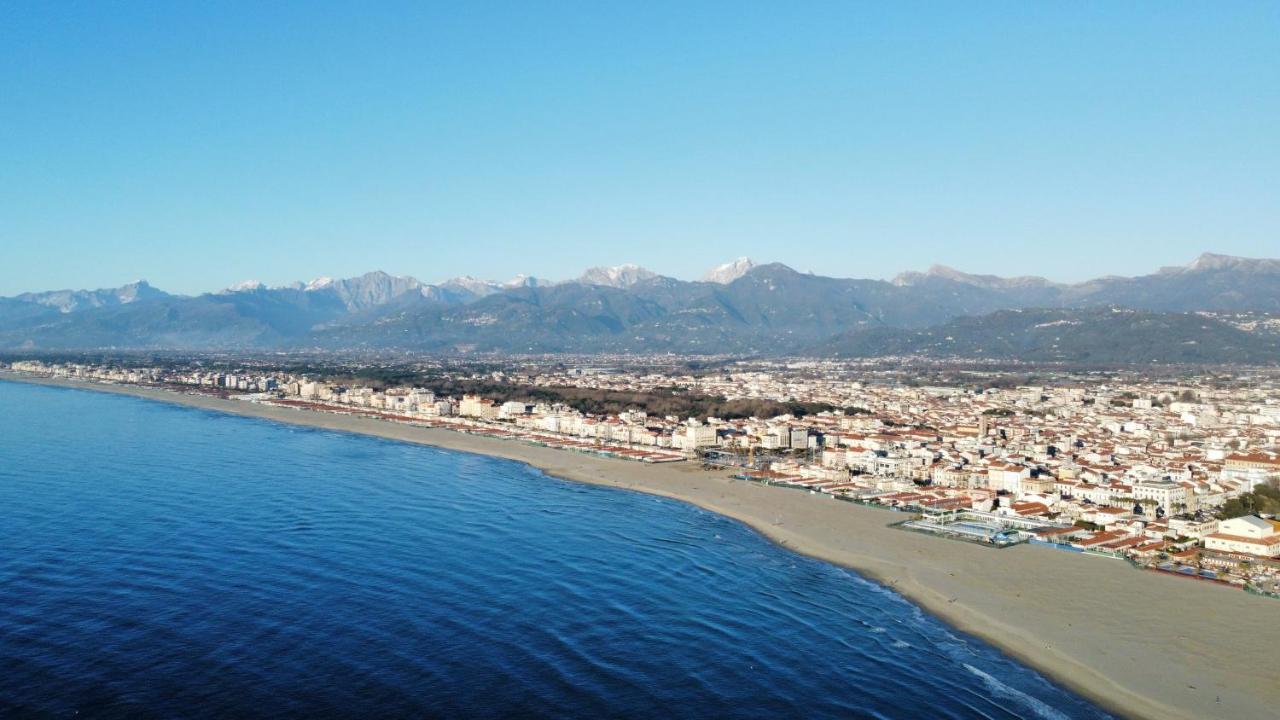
(1138, 644)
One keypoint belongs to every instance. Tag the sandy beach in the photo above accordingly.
(1142, 644)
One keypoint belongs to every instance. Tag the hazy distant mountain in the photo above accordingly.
(369, 290)
(730, 271)
(1100, 336)
(72, 300)
(740, 307)
(989, 282)
(619, 276)
(472, 288)
(1213, 262)
(356, 294)
(1210, 282)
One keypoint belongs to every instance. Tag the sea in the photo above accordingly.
(159, 561)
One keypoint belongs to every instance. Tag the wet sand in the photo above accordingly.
(1141, 644)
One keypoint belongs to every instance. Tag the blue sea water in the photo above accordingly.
(161, 561)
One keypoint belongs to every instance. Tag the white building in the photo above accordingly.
(1170, 497)
(1249, 535)
(698, 435)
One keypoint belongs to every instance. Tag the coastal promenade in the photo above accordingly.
(545, 439)
(1142, 644)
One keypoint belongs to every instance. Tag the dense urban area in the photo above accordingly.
(1175, 472)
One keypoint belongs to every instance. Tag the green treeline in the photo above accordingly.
(1265, 499)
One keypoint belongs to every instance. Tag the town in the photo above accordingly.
(1176, 474)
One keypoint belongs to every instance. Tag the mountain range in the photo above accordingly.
(1217, 308)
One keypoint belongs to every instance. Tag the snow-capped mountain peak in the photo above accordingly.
(472, 284)
(618, 276)
(245, 286)
(523, 280)
(1212, 262)
(730, 271)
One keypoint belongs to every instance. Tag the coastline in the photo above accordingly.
(1140, 644)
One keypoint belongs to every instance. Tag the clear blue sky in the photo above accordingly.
(198, 144)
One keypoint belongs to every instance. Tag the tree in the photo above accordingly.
(1263, 499)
